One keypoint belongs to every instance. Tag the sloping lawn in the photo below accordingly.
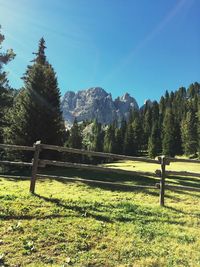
(76, 224)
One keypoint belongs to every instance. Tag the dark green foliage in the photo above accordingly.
(147, 125)
(155, 112)
(133, 135)
(154, 139)
(96, 137)
(74, 140)
(189, 133)
(190, 121)
(6, 94)
(123, 128)
(36, 113)
(137, 132)
(109, 139)
(154, 143)
(75, 137)
(168, 141)
(119, 139)
(178, 150)
(129, 145)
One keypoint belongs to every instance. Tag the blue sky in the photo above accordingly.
(142, 47)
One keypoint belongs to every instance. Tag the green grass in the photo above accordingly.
(76, 224)
(143, 166)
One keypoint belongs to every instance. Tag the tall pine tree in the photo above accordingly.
(36, 114)
(154, 143)
(129, 141)
(96, 137)
(168, 140)
(109, 140)
(189, 133)
(75, 137)
(5, 91)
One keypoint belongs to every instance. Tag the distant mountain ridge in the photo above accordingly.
(96, 103)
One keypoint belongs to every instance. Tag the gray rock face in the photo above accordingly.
(124, 104)
(96, 103)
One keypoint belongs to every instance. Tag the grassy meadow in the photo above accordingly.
(78, 224)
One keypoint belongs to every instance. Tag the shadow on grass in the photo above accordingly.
(111, 187)
(189, 193)
(177, 210)
(105, 177)
(127, 212)
(123, 211)
(124, 179)
(184, 181)
(94, 175)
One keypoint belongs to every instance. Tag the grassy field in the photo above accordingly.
(76, 224)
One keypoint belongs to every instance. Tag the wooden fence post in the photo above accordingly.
(35, 166)
(162, 180)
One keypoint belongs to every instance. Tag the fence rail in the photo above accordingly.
(97, 154)
(16, 147)
(162, 173)
(16, 163)
(98, 182)
(93, 167)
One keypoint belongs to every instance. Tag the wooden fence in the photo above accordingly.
(162, 173)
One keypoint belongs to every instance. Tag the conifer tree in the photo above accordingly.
(118, 141)
(120, 136)
(167, 100)
(168, 134)
(178, 150)
(5, 91)
(155, 113)
(137, 133)
(147, 125)
(189, 133)
(129, 144)
(109, 140)
(96, 137)
(123, 128)
(36, 114)
(75, 138)
(162, 109)
(154, 143)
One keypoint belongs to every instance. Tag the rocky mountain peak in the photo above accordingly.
(96, 103)
(96, 91)
(126, 97)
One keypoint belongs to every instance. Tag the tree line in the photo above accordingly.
(170, 126)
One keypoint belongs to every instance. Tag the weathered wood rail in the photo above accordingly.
(97, 154)
(93, 167)
(38, 163)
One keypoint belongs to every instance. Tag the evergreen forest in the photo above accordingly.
(170, 127)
